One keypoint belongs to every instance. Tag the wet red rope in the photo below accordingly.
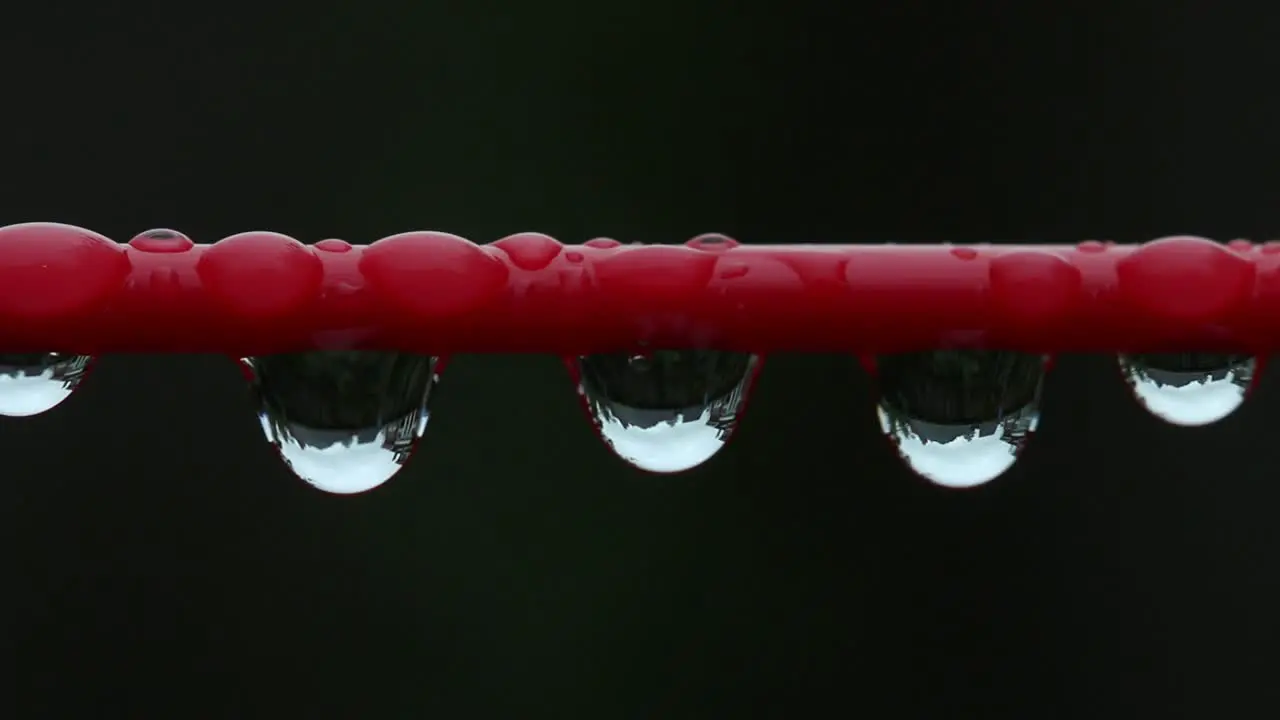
(72, 290)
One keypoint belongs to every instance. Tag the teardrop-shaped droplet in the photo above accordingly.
(31, 383)
(669, 410)
(344, 421)
(1189, 389)
(959, 418)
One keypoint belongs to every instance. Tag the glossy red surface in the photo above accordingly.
(68, 289)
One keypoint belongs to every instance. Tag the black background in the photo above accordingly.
(162, 563)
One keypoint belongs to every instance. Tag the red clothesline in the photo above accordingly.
(69, 289)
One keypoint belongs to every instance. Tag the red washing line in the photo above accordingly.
(260, 293)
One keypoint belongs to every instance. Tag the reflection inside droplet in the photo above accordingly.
(31, 383)
(1189, 389)
(344, 421)
(669, 410)
(959, 418)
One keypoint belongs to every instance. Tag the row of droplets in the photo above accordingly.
(347, 421)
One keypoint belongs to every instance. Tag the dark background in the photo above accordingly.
(162, 562)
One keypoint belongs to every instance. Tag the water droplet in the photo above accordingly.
(161, 240)
(666, 411)
(1189, 389)
(334, 245)
(344, 421)
(712, 242)
(959, 418)
(31, 383)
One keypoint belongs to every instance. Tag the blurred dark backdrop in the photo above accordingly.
(162, 562)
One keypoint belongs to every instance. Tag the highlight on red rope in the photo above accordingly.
(343, 344)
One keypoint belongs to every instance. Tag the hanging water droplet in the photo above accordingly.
(668, 410)
(344, 421)
(1189, 389)
(959, 418)
(31, 383)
